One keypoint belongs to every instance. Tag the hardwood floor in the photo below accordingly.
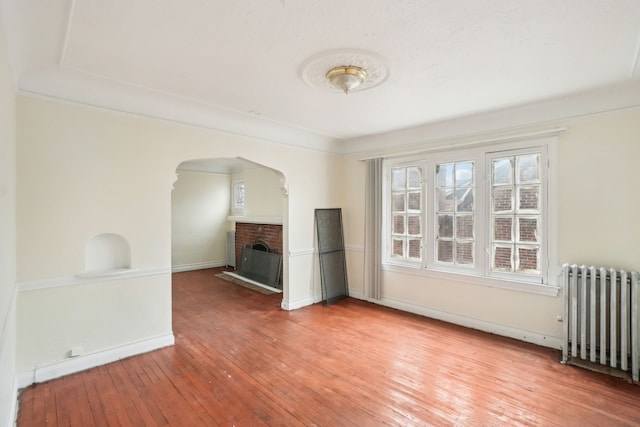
(240, 360)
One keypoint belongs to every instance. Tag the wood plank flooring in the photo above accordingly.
(239, 360)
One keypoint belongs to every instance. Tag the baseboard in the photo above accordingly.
(356, 294)
(13, 409)
(468, 322)
(88, 361)
(301, 302)
(456, 319)
(198, 266)
(296, 304)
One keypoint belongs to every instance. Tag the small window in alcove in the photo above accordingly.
(107, 252)
(238, 197)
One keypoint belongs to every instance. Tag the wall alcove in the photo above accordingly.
(107, 252)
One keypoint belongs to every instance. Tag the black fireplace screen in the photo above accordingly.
(261, 266)
(333, 269)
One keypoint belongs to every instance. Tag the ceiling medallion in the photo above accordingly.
(344, 70)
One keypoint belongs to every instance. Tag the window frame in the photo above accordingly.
(407, 213)
(432, 214)
(387, 223)
(541, 278)
(481, 271)
(237, 207)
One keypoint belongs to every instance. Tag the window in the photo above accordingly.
(237, 205)
(480, 211)
(516, 213)
(406, 207)
(454, 213)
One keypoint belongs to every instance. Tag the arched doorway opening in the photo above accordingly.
(219, 205)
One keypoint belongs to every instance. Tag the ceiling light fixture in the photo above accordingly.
(346, 78)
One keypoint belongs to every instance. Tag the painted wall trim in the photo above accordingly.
(302, 252)
(313, 251)
(92, 360)
(277, 220)
(4, 333)
(469, 322)
(11, 311)
(198, 266)
(452, 144)
(600, 100)
(356, 294)
(193, 113)
(13, 409)
(301, 302)
(86, 279)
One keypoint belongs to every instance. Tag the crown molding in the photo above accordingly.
(517, 119)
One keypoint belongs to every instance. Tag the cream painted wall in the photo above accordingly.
(93, 316)
(7, 237)
(263, 196)
(597, 223)
(599, 161)
(353, 194)
(199, 210)
(84, 171)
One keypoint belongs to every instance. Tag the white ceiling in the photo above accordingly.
(236, 65)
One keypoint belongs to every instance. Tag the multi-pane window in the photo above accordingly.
(406, 213)
(238, 196)
(485, 211)
(454, 213)
(516, 213)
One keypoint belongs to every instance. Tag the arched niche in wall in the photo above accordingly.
(107, 252)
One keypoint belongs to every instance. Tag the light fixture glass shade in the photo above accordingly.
(346, 78)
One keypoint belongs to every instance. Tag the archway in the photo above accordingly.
(205, 212)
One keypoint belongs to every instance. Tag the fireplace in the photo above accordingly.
(259, 248)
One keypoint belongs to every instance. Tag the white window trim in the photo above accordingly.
(476, 274)
(386, 215)
(237, 209)
(544, 205)
(432, 263)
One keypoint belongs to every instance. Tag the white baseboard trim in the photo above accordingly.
(296, 304)
(356, 294)
(456, 319)
(88, 361)
(13, 409)
(302, 252)
(198, 266)
(468, 322)
(301, 302)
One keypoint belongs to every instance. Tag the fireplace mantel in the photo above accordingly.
(256, 219)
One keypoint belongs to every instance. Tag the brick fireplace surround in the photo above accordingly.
(249, 233)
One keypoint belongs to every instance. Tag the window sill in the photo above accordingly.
(527, 287)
